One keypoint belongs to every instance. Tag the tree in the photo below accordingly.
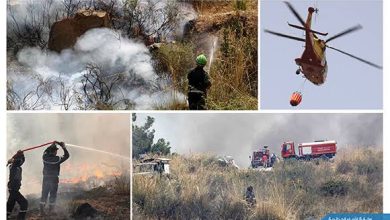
(149, 18)
(143, 138)
(161, 147)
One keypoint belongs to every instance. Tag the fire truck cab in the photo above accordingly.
(261, 158)
(311, 150)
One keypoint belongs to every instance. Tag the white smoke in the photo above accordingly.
(186, 13)
(101, 46)
(110, 51)
(159, 13)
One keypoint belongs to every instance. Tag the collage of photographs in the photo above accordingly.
(193, 109)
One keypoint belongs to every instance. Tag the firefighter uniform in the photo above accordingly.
(198, 83)
(273, 159)
(250, 196)
(51, 172)
(14, 184)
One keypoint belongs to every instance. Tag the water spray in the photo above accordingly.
(212, 50)
(99, 151)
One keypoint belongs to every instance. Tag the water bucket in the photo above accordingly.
(296, 98)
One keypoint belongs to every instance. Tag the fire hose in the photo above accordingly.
(70, 145)
(39, 146)
(28, 149)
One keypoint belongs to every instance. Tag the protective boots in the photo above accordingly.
(22, 215)
(42, 209)
(52, 209)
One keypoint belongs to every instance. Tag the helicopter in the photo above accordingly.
(312, 64)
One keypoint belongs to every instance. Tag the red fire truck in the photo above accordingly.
(262, 158)
(316, 149)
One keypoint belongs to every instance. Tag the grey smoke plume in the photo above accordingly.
(106, 132)
(238, 135)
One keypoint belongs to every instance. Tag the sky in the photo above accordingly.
(237, 135)
(350, 84)
(106, 132)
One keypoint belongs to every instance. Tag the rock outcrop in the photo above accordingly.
(64, 33)
(85, 211)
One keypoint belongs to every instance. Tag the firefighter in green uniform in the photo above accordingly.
(198, 84)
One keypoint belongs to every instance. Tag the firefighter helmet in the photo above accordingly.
(201, 60)
(52, 148)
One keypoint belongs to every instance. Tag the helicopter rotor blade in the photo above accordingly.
(292, 9)
(358, 58)
(284, 35)
(349, 30)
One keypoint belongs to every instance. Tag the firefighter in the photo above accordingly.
(159, 167)
(51, 171)
(273, 159)
(250, 196)
(198, 84)
(265, 160)
(14, 184)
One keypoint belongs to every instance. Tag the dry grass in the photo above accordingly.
(176, 60)
(199, 188)
(210, 7)
(234, 71)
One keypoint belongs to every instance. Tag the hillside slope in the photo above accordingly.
(200, 188)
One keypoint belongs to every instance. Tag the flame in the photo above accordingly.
(82, 173)
(99, 173)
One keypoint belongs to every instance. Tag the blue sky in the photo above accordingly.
(350, 84)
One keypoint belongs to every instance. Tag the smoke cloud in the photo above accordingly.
(105, 132)
(109, 51)
(238, 135)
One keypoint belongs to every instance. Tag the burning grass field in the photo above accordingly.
(111, 200)
(199, 188)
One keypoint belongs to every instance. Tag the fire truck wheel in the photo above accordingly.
(324, 157)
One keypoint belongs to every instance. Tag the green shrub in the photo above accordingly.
(240, 5)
